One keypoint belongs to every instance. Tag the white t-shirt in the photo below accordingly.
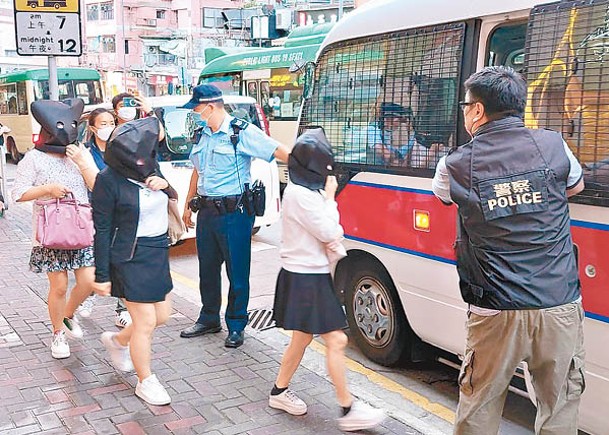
(153, 219)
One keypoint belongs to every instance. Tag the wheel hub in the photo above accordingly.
(371, 309)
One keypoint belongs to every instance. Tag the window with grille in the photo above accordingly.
(389, 102)
(568, 80)
(106, 11)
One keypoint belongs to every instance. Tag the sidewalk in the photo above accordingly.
(214, 390)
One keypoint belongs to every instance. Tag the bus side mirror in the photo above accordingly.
(309, 80)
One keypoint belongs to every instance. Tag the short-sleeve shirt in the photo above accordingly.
(441, 182)
(223, 170)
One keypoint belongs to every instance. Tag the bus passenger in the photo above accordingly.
(305, 300)
(393, 138)
(515, 258)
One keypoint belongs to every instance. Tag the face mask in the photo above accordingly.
(104, 133)
(127, 113)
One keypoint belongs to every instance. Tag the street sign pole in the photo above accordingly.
(53, 80)
(49, 29)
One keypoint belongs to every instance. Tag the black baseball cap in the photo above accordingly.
(203, 94)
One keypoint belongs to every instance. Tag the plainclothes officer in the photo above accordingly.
(224, 225)
(515, 258)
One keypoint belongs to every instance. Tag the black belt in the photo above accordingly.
(222, 204)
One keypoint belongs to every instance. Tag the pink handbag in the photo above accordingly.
(64, 224)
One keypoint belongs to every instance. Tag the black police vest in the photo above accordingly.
(514, 246)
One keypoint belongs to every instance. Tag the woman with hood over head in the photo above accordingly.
(46, 172)
(305, 300)
(130, 201)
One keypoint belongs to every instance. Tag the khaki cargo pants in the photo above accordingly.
(551, 342)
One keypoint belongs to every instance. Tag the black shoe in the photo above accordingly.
(199, 329)
(234, 339)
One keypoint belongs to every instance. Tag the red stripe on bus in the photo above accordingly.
(592, 245)
(386, 216)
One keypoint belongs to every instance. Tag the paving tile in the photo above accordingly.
(184, 423)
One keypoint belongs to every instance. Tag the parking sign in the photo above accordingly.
(48, 27)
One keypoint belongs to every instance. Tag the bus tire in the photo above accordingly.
(376, 320)
(13, 151)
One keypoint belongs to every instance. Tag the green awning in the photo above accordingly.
(261, 59)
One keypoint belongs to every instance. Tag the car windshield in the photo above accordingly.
(176, 121)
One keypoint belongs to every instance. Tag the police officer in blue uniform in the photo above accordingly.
(515, 258)
(222, 159)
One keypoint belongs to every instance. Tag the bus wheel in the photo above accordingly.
(375, 316)
(12, 149)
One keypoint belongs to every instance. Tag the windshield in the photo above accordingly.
(88, 90)
(229, 84)
(178, 127)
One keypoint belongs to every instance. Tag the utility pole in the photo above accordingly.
(340, 9)
(53, 80)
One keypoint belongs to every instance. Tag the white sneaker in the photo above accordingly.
(123, 319)
(59, 347)
(119, 355)
(150, 390)
(72, 327)
(289, 402)
(361, 417)
(86, 308)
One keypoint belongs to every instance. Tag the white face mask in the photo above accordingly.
(127, 113)
(104, 133)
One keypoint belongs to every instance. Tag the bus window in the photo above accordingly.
(8, 99)
(22, 98)
(390, 102)
(229, 84)
(286, 94)
(506, 46)
(252, 89)
(568, 90)
(88, 90)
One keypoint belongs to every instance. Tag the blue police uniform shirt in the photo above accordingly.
(214, 158)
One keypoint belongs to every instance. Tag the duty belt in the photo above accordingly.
(222, 204)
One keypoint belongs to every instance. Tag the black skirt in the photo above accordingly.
(307, 302)
(146, 277)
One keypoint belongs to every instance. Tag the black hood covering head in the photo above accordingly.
(132, 148)
(59, 123)
(311, 160)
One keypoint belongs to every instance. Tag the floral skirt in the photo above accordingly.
(56, 260)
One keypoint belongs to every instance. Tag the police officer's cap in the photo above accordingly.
(203, 94)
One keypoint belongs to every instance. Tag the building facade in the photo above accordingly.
(154, 47)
